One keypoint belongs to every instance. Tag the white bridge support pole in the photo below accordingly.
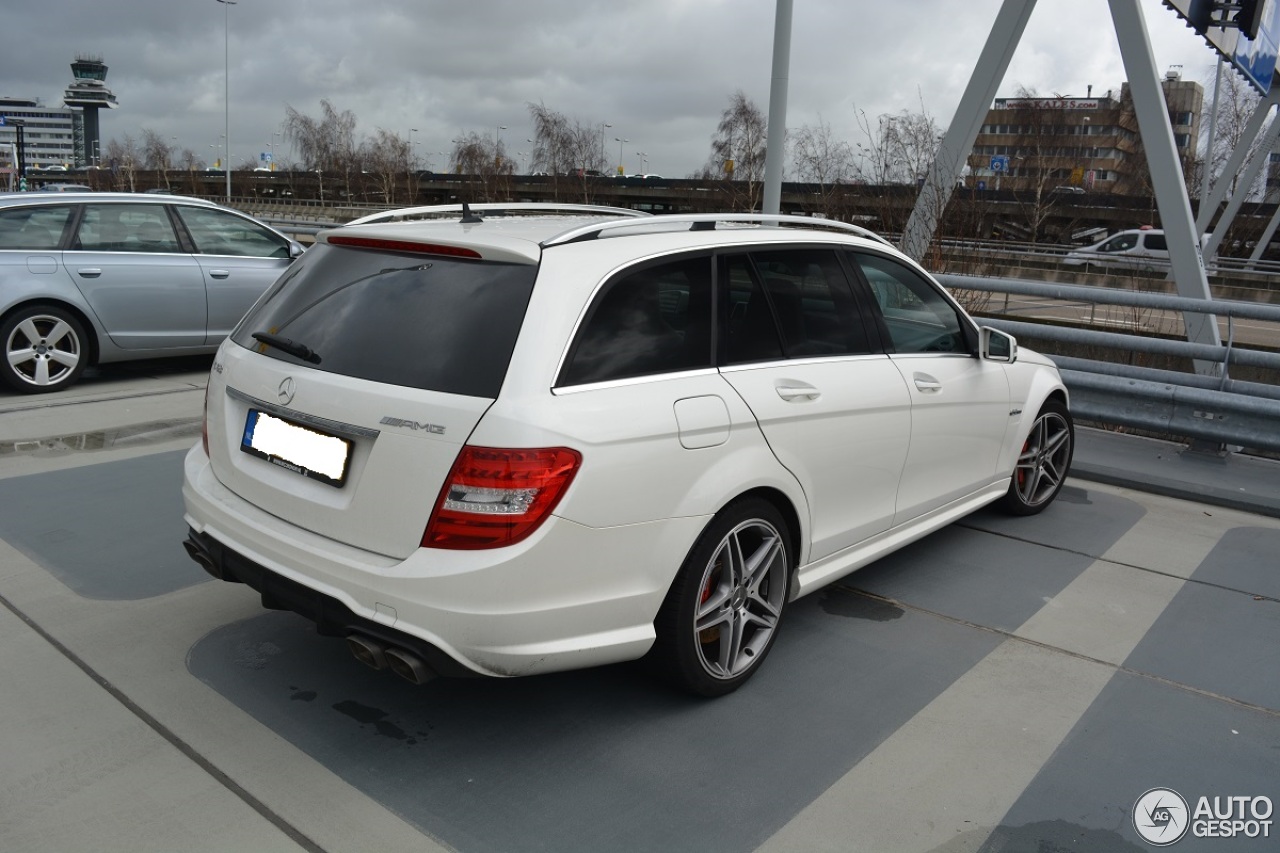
(1186, 261)
(956, 146)
(776, 136)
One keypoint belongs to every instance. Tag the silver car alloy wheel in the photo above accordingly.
(743, 588)
(1043, 462)
(43, 350)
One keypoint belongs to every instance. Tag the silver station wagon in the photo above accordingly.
(89, 278)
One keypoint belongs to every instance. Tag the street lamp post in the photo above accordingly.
(644, 161)
(413, 159)
(603, 156)
(621, 142)
(226, 83)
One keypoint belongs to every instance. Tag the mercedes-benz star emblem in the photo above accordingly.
(286, 391)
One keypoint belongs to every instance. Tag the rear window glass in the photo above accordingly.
(32, 228)
(421, 321)
(649, 321)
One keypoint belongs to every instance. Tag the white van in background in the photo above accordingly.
(1137, 248)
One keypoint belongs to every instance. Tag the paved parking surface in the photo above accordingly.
(1004, 685)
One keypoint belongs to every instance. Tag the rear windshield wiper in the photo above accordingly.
(294, 348)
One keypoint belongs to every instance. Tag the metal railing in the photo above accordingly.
(1213, 408)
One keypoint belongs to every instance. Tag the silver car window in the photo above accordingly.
(33, 228)
(217, 232)
(125, 228)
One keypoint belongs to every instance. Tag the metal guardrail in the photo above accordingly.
(1213, 408)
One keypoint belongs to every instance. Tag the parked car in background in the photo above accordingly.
(503, 445)
(88, 278)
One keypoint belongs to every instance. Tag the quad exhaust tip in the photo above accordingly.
(367, 651)
(409, 666)
(405, 664)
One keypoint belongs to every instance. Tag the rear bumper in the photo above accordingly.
(568, 597)
(332, 618)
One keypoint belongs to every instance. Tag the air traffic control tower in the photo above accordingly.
(89, 92)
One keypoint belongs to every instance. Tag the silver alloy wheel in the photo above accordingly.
(743, 588)
(44, 350)
(1043, 462)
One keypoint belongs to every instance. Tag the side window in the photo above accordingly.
(125, 228)
(917, 316)
(217, 232)
(653, 320)
(1119, 243)
(812, 302)
(33, 228)
(1155, 242)
(751, 331)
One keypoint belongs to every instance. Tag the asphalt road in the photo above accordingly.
(1004, 685)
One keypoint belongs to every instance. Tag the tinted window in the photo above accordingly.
(217, 232)
(125, 228)
(38, 228)
(917, 316)
(436, 323)
(653, 320)
(812, 302)
(751, 330)
(1154, 242)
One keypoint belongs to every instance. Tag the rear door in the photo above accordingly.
(384, 363)
(960, 406)
(833, 408)
(239, 260)
(127, 262)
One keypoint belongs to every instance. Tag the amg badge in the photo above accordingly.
(434, 429)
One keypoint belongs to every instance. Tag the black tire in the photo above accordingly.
(1043, 462)
(718, 579)
(51, 346)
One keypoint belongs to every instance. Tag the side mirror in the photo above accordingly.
(295, 250)
(996, 345)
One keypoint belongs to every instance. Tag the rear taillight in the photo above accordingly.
(497, 496)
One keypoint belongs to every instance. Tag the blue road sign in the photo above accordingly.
(982, 185)
(1000, 163)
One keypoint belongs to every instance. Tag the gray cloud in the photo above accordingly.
(658, 71)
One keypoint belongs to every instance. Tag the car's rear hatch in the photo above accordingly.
(371, 365)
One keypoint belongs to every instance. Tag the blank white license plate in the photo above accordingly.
(296, 447)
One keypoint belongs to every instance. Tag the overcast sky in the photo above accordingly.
(659, 71)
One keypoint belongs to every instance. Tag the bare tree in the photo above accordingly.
(1237, 101)
(738, 151)
(385, 157)
(326, 143)
(124, 159)
(822, 160)
(566, 148)
(900, 149)
(485, 160)
(155, 152)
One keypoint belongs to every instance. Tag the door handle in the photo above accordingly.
(219, 273)
(926, 383)
(89, 272)
(791, 393)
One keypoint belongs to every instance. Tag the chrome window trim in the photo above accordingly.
(561, 390)
(336, 427)
(808, 359)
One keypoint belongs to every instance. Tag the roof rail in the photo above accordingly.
(440, 211)
(707, 221)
